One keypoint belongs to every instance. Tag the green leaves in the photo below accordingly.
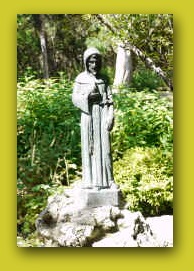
(48, 139)
(148, 36)
(145, 179)
(49, 151)
(142, 150)
(65, 36)
(142, 119)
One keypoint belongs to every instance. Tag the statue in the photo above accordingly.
(92, 95)
(98, 192)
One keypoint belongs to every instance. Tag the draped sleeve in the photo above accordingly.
(81, 91)
(80, 97)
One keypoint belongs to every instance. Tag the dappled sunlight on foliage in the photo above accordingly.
(48, 142)
(49, 151)
(142, 119)
(145, 178)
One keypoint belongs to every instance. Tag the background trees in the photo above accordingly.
(148, 36)
(49, 44)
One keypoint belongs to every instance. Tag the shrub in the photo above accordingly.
(145, 179)
(48, 139)
(145, 79)
(142, 119)
(49, 150)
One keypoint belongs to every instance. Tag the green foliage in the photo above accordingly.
(31, 241)
(65, 36)
(68, 35)
(142, 150)
(152, 34)
(28, 49)
(49, 147)
(142, 119)
(144, 79)
(48, 137)
(145, 178)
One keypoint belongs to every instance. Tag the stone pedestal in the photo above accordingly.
(91, 218)
(89, 198)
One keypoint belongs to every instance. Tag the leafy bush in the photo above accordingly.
(142, 143)
(48, 137)
(142, 119)
(145, 79)
(145, 178)
(49, 151)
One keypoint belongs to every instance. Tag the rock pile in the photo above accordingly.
(64, 224)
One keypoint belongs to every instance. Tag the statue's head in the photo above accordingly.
(92, 61)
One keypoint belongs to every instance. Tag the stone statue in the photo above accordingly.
(92, 95)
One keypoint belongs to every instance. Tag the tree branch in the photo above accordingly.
(150, 64)
(147, 61)
(105, 22)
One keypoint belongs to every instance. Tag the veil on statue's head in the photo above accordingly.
(89, 52)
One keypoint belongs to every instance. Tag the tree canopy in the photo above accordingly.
(148, 36)
(66, 36)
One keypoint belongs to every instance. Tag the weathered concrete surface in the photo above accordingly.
(89, 198)
(65, 223)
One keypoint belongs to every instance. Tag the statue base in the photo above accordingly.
(89, 198)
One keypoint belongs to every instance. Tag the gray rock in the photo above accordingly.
(133, 232)
(122, 238)
(63, 224)
(136, 231)
(162, 228)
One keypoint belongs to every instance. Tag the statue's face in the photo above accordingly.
(94, 64)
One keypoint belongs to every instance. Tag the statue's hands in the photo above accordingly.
(110, 118)
(110, 123)
(94, 96)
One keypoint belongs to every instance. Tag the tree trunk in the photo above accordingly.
(123, 70)
(39, 22)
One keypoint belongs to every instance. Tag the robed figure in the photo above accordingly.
(92, 95)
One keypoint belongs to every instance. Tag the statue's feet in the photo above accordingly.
(97, 188)
(86, 186)
(113, 185)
